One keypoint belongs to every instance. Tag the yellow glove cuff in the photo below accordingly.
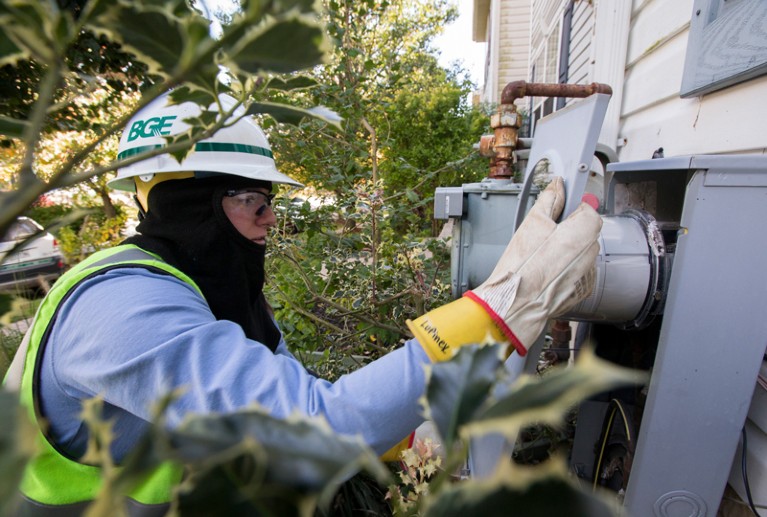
(461, 322)
(395, 453)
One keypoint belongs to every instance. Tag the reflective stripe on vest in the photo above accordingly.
(54, 484)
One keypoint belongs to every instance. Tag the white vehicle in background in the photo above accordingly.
(34, 265)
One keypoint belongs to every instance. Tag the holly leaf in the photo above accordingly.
(10, 52)
(283, 45)
(166, 36)
(251, 457)
(293, 83)
(36, 29)
(293, 114)
(538, 491)
(546, 399)
(457, 388)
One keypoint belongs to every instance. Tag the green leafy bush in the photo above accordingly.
(48, 215)
(336, 287)
(93, 233)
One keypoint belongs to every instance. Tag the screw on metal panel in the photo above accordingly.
(582, 167)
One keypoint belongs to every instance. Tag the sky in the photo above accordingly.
(456, 43)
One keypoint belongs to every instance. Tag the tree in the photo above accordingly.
(185, 54)
(365, 262)
(429, 126)
(383, 51)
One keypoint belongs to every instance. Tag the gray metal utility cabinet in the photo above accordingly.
(714, 330)
(680, 291)
(682, 275)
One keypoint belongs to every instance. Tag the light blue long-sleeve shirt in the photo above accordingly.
(131, 335)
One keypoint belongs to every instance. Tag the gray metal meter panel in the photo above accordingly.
(711, 342)
(484, 231)
(448, 202)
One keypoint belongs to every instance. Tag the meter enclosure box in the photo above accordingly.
(482, 215)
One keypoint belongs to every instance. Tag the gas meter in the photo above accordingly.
(680, 291)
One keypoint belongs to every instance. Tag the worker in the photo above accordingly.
(181, 305)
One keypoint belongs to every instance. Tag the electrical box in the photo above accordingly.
(682, 283)
(680, 292)
(711, 340)
(483, 225)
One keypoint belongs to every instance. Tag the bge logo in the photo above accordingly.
(154, 126)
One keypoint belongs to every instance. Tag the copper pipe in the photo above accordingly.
(505, 123)
(486, 144)
(561, 334)
(500, 147)
(518, 89)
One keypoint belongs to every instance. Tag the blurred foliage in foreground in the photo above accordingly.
(251, 462)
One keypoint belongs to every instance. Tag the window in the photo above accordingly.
(727, 45)
(550, 63)
(21, 229)
(545, 70)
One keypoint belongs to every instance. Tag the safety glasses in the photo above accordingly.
(249, 201)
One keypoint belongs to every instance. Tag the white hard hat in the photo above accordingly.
(240, 149)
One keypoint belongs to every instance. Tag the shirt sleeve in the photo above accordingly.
(132, 336)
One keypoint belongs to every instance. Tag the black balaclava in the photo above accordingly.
(187, 227)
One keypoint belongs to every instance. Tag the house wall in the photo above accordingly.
(507, 33)
(729, 121)
(513, 66)
(647, 111)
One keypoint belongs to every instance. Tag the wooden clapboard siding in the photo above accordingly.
(508, 43)
(653, 23)
(729, 121)
(718, 123)
(515, 35)
(648, 109)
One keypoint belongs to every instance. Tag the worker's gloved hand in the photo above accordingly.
(545, 270)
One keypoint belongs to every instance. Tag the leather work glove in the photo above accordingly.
(546, 269)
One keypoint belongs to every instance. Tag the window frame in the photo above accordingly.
(543, 53)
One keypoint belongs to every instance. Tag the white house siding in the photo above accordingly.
(516, 18)
(729, 121)
(507, 33)
(492, 29)
(514, 34)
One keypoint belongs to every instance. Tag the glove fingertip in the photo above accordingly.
(587, 212)
(557, 186)
(591, 200)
